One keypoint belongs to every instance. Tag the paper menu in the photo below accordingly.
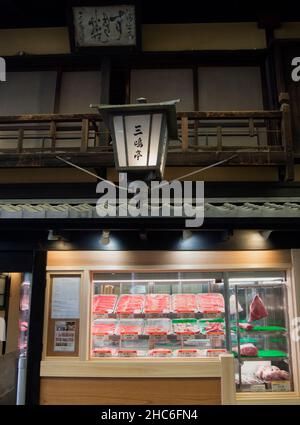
(65, 298)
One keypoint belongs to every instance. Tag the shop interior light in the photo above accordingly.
(105, 237)
(260, 280)
(186, 234)
(175, 280)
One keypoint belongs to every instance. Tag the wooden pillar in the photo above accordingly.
(35, 340)
(228, 392)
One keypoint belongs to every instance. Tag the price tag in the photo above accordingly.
(130, 337)
(281, 386)
(257, 388)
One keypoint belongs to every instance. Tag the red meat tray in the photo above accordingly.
(130, 327)
(157, 303)
(210, 303)
(104, 304)
(130, 304)
(104, 327)
(184, 303)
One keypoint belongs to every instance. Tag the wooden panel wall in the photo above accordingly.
(168, 260)
(130, 391)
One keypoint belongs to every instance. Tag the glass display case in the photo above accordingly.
(259, 333)
(157, 315)
(197, 315)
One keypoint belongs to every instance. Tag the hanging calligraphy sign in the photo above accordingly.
(110, 25)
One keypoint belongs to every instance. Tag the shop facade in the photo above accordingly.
(133, 365)
(146, 310)
(179, 332)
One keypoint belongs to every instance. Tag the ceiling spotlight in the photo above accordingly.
(143, 235)
(226, 235)
(52, 236)
(266, 234)
(105, 239)
(186, 234)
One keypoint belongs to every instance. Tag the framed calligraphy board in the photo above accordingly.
(111, 25)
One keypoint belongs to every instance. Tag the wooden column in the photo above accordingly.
(228, 391)
(35, 342)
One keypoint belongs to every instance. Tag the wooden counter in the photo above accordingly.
(131, 381)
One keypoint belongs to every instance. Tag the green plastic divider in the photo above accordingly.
(265, 354)
(248, 341)
(184, 321)
(263, 329)
(216, 320)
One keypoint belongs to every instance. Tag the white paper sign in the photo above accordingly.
(65, 298)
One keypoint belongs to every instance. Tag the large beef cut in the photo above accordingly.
(271, 373)
(248, 350)
(257, 309)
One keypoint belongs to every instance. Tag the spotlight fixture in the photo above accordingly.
(186, 234)
(105, 239)
(266, 234)
(52, 236)
(226, 235)
(143, 235)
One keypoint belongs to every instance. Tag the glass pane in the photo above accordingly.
(157, 315)
(259, 331)
(2, 285)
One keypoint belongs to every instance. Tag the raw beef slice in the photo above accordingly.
(257, 309)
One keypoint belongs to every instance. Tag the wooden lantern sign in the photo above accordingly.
(140, 135)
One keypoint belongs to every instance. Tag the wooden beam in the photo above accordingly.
(231, 114)
(174, 159)
(105, 80)
(211, 115)
(47, 118)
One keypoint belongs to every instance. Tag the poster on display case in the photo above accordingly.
(64, 335)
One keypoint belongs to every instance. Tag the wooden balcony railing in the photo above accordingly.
(256, 137)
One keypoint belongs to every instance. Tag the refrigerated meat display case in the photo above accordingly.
(259, 333)
(191, 315)
(220, 335)
(158, 315)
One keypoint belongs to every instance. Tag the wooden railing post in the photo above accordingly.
(287, 135)
(20, 140)
(185, 133)
(219, 138)
(53, 135)
(84, 135)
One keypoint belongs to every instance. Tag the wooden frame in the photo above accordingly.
(49, 323)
